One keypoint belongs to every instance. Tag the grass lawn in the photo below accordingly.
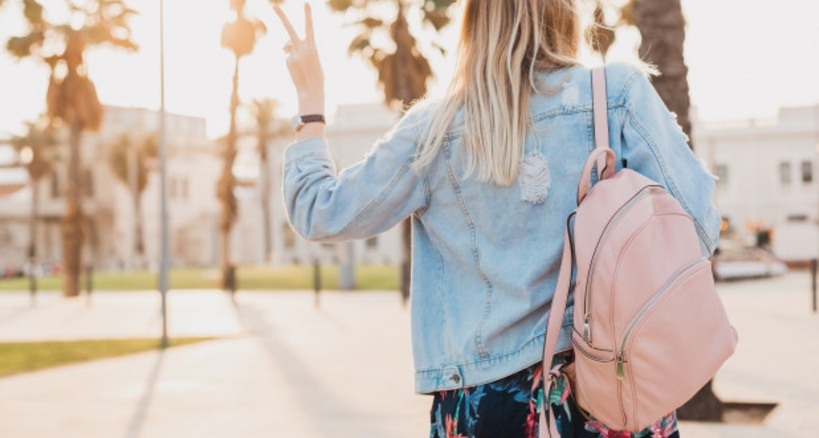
(20, 357)
(250, 278)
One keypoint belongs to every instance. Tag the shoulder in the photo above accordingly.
(569, 90)
(624, 80)
(419, 117)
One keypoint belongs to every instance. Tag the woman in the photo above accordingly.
(488, 175)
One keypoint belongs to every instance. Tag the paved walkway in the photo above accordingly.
(285, 368)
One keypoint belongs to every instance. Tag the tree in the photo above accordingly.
(239, 36)
(662, 27)
(71, 98)
(403, 70)
(264, 113)
(37, 149)
(129, 163)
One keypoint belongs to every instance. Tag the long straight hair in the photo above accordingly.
(503, 44)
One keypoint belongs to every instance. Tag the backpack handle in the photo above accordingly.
(608, 170)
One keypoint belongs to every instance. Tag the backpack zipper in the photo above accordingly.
(648, 307)
(587, 332)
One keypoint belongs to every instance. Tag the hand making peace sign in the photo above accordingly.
(303, 64)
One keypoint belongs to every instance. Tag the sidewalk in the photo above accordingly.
(286, 368)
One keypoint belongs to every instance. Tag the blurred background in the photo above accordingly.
(124, 172)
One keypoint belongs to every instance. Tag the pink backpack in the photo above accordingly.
(649, 327)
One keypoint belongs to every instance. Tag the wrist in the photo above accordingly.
(309, 131)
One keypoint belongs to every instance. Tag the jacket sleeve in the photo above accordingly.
(655, 146)
(363, 200)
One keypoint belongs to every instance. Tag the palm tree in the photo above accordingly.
(129, 163)
(71, 98)
(38, 144)
(239, 36)
(403, 70)
(264, 113)
(662, 27)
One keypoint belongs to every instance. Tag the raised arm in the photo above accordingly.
(364, 199)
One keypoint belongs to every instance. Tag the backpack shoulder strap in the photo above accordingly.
(558, 306)
(600, 105)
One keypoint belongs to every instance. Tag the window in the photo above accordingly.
(798, 218)
(372, 242)
(807, 172)
(722, 174)
(785, 173)
(55, 186)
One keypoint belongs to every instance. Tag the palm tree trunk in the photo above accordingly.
(73, 217)
(225, 190)
(403, 60)
(662, 26)
(32, 250)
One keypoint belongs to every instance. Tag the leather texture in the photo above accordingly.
(649, 329)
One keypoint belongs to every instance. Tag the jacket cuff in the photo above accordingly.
(312, 147)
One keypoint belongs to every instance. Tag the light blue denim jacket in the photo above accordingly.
(484, 260)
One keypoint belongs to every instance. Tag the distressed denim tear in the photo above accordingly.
(534, 178)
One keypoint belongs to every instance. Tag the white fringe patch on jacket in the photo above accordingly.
(534, 178)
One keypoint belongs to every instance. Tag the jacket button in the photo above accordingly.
(455, 378)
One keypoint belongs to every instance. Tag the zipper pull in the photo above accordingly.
(621, 366)
(587, 329)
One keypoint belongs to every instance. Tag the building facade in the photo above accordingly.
(767, 178)
(193, 167)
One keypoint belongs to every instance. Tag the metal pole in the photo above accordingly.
(89, 284)
(813, 266)
(814, 181)
(163, 192)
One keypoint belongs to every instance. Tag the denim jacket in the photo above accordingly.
(485, 257)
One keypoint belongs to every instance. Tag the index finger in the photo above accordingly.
(289, 27)
(308, 21)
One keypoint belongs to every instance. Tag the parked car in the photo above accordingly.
(11, 272)
(746, 262)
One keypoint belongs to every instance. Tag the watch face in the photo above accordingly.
(296, 123)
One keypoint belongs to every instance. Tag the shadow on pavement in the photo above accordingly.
(134, 428)
(334, 417)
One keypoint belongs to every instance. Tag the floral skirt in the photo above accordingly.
(510, 408)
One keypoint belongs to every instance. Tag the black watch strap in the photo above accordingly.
(313, 118)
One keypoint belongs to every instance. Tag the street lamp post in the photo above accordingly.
(163, 170)
(814, 174)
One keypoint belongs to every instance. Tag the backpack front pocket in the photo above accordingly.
(679, 326)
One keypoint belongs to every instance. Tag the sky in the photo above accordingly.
(746, 59)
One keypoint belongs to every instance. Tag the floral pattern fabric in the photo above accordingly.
(510, 408)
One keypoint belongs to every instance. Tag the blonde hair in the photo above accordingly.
(503, 44)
